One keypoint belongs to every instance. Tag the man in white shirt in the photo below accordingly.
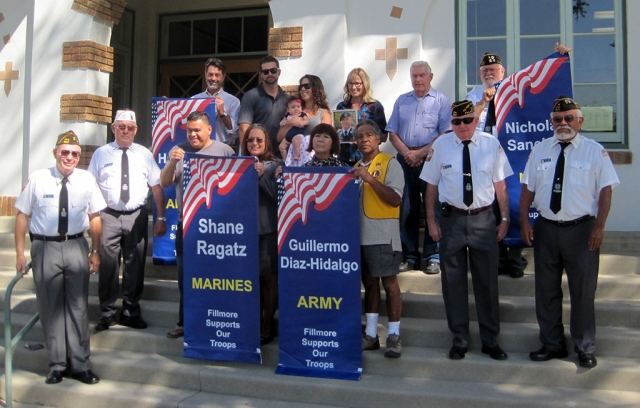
(125, 170)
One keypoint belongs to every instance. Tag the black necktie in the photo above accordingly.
(490, 120)
(63, 209)
(124, 177)
(556, 192)
(467, 181)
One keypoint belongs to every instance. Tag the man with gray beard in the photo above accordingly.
(569, 179)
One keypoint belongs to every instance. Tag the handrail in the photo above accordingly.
(9, 342)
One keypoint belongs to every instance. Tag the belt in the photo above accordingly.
(416, 147)
(118, 212)
(475, 211)
(57, 238)
(570, 223)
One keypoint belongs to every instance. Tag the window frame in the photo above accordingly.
(164, 20)
(617, 139)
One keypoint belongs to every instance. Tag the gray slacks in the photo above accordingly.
(473, 236)
(61, 276)
(126, 235)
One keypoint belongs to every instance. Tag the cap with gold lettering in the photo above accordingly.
(68, 138)
(564, 103)
(461, 108)
(489, 59)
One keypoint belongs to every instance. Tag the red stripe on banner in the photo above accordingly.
(511, 91)
(207, 174)
(170, 113)
(301, 189)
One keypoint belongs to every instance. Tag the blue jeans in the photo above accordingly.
(415, 191)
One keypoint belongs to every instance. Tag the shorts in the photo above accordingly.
(379, 261)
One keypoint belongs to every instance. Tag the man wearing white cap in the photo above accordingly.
(125, 171)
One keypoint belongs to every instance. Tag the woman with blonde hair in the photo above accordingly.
(359, 96)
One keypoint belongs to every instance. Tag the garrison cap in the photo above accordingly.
(462, 108)
(68, 138)
(488, 59)
(564, 103)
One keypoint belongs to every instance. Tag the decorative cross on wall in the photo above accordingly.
(8, 75)
(391, 54)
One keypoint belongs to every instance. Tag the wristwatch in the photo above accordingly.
(162, 219)
(223, 114)
(505, 219)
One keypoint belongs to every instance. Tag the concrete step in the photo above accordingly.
(520, 338)
(609, 286)
(383, 383)
(29, 386)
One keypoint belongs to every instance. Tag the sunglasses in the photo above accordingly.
(130, 128)
(457, 122)
(558, 119)
(269, 71)
(304, 86)
(74, 154)
(255, 140)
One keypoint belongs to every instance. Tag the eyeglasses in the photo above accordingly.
(304, 86)
(558, 119)
(269, 71)
(356, 84)
(255, 140)
(74, 154)
(457, 122)
(130, 128)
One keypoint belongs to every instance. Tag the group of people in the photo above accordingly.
(446, 163)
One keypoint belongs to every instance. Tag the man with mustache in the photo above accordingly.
(227, 105)
(569, 179)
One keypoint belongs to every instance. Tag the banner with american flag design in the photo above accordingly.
(168, 129)
(221, 288)
(523, 104)
(319, 273)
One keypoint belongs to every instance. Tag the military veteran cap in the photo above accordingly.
(345, 115)
(488, 59)
(564, 103)
(462, 108)
(125, 114)
(68, 138)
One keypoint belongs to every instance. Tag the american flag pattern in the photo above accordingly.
(511, 90)
(300, 190)
(201, 175)
(166, 114)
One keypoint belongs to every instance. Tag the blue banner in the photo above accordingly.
(221, 270)
(169, 128)
(523, 106)
(319, 274)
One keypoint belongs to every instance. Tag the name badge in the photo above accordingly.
(107, 165)
(47, 196)
(545, 160)
(446, 166)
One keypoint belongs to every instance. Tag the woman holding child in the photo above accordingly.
(315, 107)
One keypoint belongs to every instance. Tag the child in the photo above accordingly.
(294, 137)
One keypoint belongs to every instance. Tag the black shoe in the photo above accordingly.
(495, 353)
(54, 377)
(407, 266)
(587, 360)
(133, 322)
(457, 352)
(104, 323)
(86, 377)
(503, 271)
(545, 355)
(516, 273)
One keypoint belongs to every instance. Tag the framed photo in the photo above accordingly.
(345, 121)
